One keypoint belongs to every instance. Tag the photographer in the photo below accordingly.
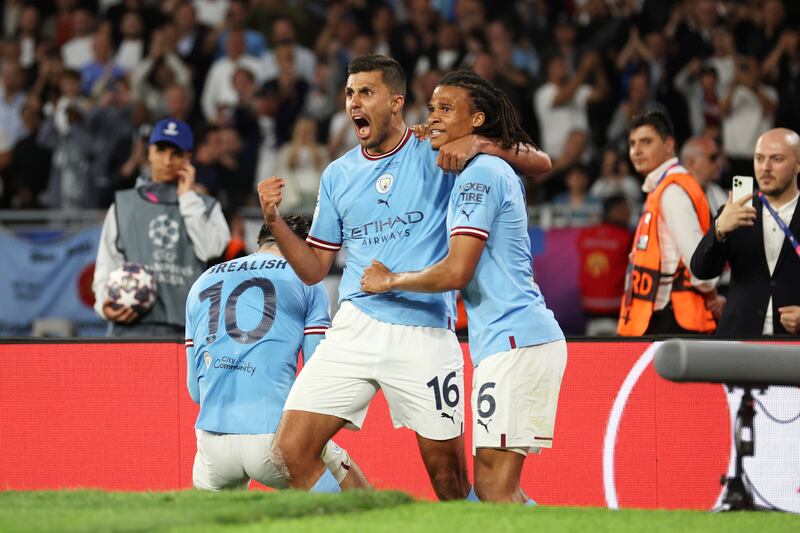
(760, 243)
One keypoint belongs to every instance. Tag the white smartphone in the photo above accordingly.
(742, 186)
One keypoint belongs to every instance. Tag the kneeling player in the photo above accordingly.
(246, 320)
(516, 344)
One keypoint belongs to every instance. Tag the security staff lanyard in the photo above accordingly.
(644, 234)
(781, 223)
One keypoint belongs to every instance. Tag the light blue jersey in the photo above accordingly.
(391, 208)
(504, 305)
(245, 323)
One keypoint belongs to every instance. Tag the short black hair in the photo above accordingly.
(656, 119)
(393, 74)
(299, 224)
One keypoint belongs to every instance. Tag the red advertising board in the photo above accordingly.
(117, 416)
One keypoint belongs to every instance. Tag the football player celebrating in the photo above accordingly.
(387, 199)
(516, 344)
(246, 320)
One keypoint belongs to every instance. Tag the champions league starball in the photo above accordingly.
(131, 286)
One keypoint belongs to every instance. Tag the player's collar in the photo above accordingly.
(391, 152)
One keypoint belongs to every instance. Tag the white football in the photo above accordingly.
(131, 286)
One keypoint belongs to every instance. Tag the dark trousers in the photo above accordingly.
(663, 323)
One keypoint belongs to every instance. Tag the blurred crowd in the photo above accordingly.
(261, 84)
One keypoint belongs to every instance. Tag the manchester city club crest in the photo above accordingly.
(384, 183)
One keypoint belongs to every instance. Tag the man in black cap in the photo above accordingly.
(165, 225)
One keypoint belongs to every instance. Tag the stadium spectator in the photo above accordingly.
(12, 98)
(698, 85)
(130, 155)
(236, 20)
(211, 12)
(577, 196)
(661, 294)
(760, 244)
(102, 71)
(638, 99)
(703, 159)
(603, 251)
(132, 45)
(320, 102)
(690, 28)
(782, 68)
(291, 90)
(747, 111)
(193, 45)
(218, 91)
(110, 122)
(29, 35)
(302, 161)
(161, 69)
(303, 59)
(240, 410)
(29, 168)
(375, 97)
(724, 58)
(77, 52)
(615, 179)
(164, 225)
(561, 103)
(516, 344)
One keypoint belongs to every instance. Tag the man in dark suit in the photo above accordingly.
(760, 243)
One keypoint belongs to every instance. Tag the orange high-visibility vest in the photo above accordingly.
(644, 269)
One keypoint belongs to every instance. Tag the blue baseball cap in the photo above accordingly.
(173, 131)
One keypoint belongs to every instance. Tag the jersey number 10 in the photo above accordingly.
(214, 294)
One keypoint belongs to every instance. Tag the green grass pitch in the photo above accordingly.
(289, 511)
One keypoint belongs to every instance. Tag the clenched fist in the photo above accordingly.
(270, 195)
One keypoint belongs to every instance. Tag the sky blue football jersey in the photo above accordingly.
(246, 320)
(392, 208)
(505, 307)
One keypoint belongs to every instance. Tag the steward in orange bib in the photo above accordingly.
(661, 295)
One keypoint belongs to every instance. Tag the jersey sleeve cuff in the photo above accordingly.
(188, 343)
(470, 231)
(315, 330)
(322, 245)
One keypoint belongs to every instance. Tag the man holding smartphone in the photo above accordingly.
(165, 225)
(758, 236)
(661, 294)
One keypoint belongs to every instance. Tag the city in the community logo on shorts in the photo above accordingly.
(384, 183)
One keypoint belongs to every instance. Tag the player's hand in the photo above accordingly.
(790, 318)
(186, 177)
(124, 315)
(716, 305)
(270, 195)
(376, 278)
(454, 155)
(420, 131)
(736, 214)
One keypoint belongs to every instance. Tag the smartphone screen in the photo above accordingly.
(742, 186)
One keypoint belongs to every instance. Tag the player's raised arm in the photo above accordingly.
(525, 158)
(310, 264)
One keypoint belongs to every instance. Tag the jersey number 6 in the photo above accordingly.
(214, 293)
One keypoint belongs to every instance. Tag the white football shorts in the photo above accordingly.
(420, 369)
(230, 461)
(515, 397)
